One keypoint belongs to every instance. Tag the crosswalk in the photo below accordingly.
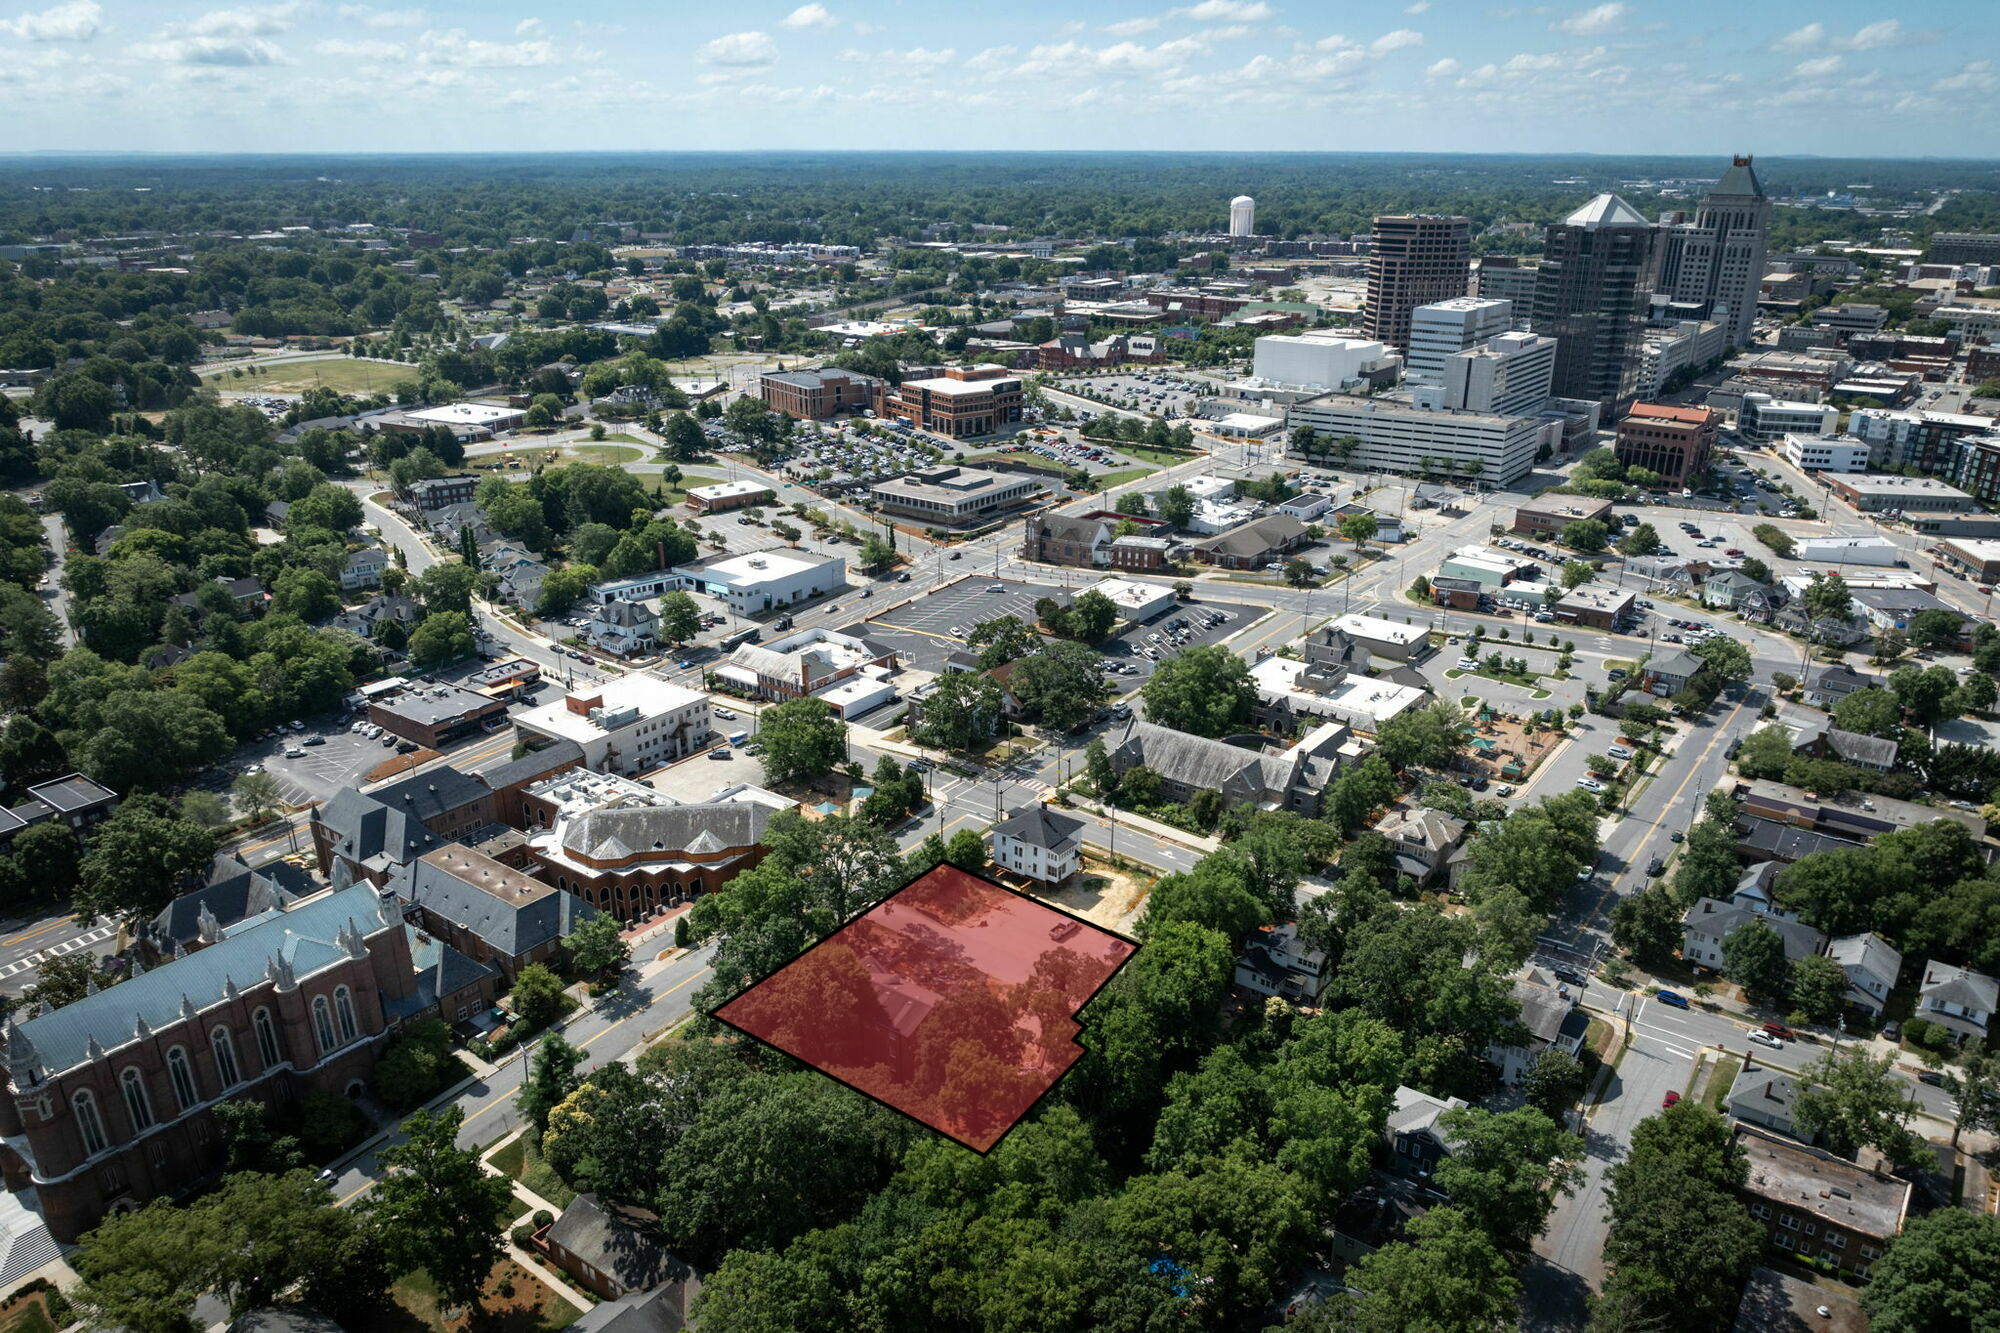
(34, 960)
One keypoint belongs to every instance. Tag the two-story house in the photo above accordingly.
(363, 569)
(1550, 1021)
(1422, 840)
(1417, 1143)
(1711, 921)
(1959, 998)
(624, 628)
(1043, 844)
(1871, 966)
(1277, 962)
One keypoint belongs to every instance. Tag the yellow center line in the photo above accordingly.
(42, 930)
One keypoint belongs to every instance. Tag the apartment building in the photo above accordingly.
(1674, 442)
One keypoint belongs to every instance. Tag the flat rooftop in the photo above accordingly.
(1890, 483)
(1129, 595)
(1810, 1181)
(463, 414)
(650, 695)
(723, 490)
(1597, 597)
(1982, 549)
(962, 388)
(745, 568)
(1374, 627)
(432, 704)
(949, 485)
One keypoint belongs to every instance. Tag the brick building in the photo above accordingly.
(1416, 260)
(1672, 441)
(111, 1098)
(963, 401)
(1819, 1206)
(490, 912)
(1552, 517)
(815, 395)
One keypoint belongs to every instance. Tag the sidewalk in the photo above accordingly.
(1126, 819)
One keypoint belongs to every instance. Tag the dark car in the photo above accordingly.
(1569, 976)
(1655, 866)
(1931, 1077)
(1673, 999)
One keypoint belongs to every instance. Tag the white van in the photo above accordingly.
(1619, 752)
(1468, 663)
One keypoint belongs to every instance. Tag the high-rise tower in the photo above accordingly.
(1719, 257)
(1417, 259)
(1591, 294)
(1242, 216)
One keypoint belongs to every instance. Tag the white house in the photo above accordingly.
(1871, 967)
(1960, 999)
(1277, 962)
(363, 569)
(630, 725)
(1040, 843)
(624, 627)
(1550, 1021)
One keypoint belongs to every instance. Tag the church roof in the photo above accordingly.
(1607, 210)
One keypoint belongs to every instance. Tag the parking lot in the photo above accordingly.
(923, 632)
(1167, 393)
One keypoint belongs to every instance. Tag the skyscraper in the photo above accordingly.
(1591, 294)
(1417, 259)
(1717, 261)
(1242, 216)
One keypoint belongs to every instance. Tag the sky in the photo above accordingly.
(1850, 78)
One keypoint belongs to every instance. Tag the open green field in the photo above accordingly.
(342, 374)
(526, 1165)
(1106, 480)
(1162, 457)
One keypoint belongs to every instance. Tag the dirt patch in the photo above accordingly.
(398, 764)
(1504, 749)
(1101, 894)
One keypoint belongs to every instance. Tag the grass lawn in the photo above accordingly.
(1163, 457)
(611, 455)
(342, 374)
(525, 1164)
(619, 437)
(1721, 1079)
(530, 1308)
(27, 1317)
(1106, 480)
(1525, 682)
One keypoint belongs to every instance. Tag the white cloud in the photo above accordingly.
(740, 50)
(993, 57)
(1395, 41)
(1444, 69)
(370, 17)
(453, 49)
(526, 26)
(362, 50)
(808, 16)
(229, 52)
(1979, 76)
(1234, 11)
(1418, 7)
(1133, 27)
(77, 21)
(248, 21)
(1593, 21)
(916, 57)
(1816, 69)
(1882, 32)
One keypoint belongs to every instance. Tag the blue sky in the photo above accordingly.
(1835, 77)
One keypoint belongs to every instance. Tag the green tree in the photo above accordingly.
(1507, 1171)
(1727, 658)
(684, 440)
(1642, 540)
(1647, 925)
(966, 850)
(1554, 1083)
(680, 618)
(305, 593)
(1177, 505)
(802, 739)
(1767, 751)
(551, 1078)
(1938, 628)
(1941, 1274)
(1576, 573)
(414, 1064)
(1827, 597)
(1818, 988)
(1852, 1100)
(441, 637)
(1061, 686)
(537, 996)
(1359, 528)
(257, 795)
(139, 860)
(436, 1210)
(1205, 691)
(597, 947)
(1925, 692)
(1754, 956)
(62, 979)
(1869, 712)
(962, 711)
(1446, 1276)
(1093, 615)
(1587, 535)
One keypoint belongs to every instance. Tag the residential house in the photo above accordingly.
(1550, 1021)
(73, 801)
(1962, 1000)
(611, 1250)
(363, 569)
(1423, 841)
(1060, 539)
(1711, 921)
(1043, 844)
(1764, 1096)
(1275, 961)
(1825, 686)
(1670, 672)
(661, 1310)
(1733, 590)
(247, 594)
(1872, 967)
(624, 628)
(1823, 630)
(1875, 753)
(367, 618)
(1416, 1142)
(1819, 1206)
(1254, 544)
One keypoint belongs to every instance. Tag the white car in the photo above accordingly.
(1766, 1039)
(1590, 784)
(725, 715)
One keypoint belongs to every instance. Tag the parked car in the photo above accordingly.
(1766, 1039)
(1780, 1031)
(1669, 1100)
(1673, 999)
(1569, 976)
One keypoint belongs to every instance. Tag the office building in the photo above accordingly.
(490, 912)
(1242, 216)
(1882, 493)
(1716, 262)
(1315, 360)
(1848, 551)
(815, 395)
(1593, 297)
(952, 496)
(763, 580)
(729, 495)
(434, 715)
(1552, 515)
(1826, 453)
(1506, 278)
(803, 663)
(1682, 352)
(1416, 259)
(632, 724)
(1674, 442)
(1446, 328)
(1402, 437)
(964, 401)
(1964, 247)
(1763, 419)
(1509, 376)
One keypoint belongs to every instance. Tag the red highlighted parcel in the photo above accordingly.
(953, 1000)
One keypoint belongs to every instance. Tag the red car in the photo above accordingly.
(1781, 1032)
(1669, 1100)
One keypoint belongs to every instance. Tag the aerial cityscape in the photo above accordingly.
(1023, 672)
